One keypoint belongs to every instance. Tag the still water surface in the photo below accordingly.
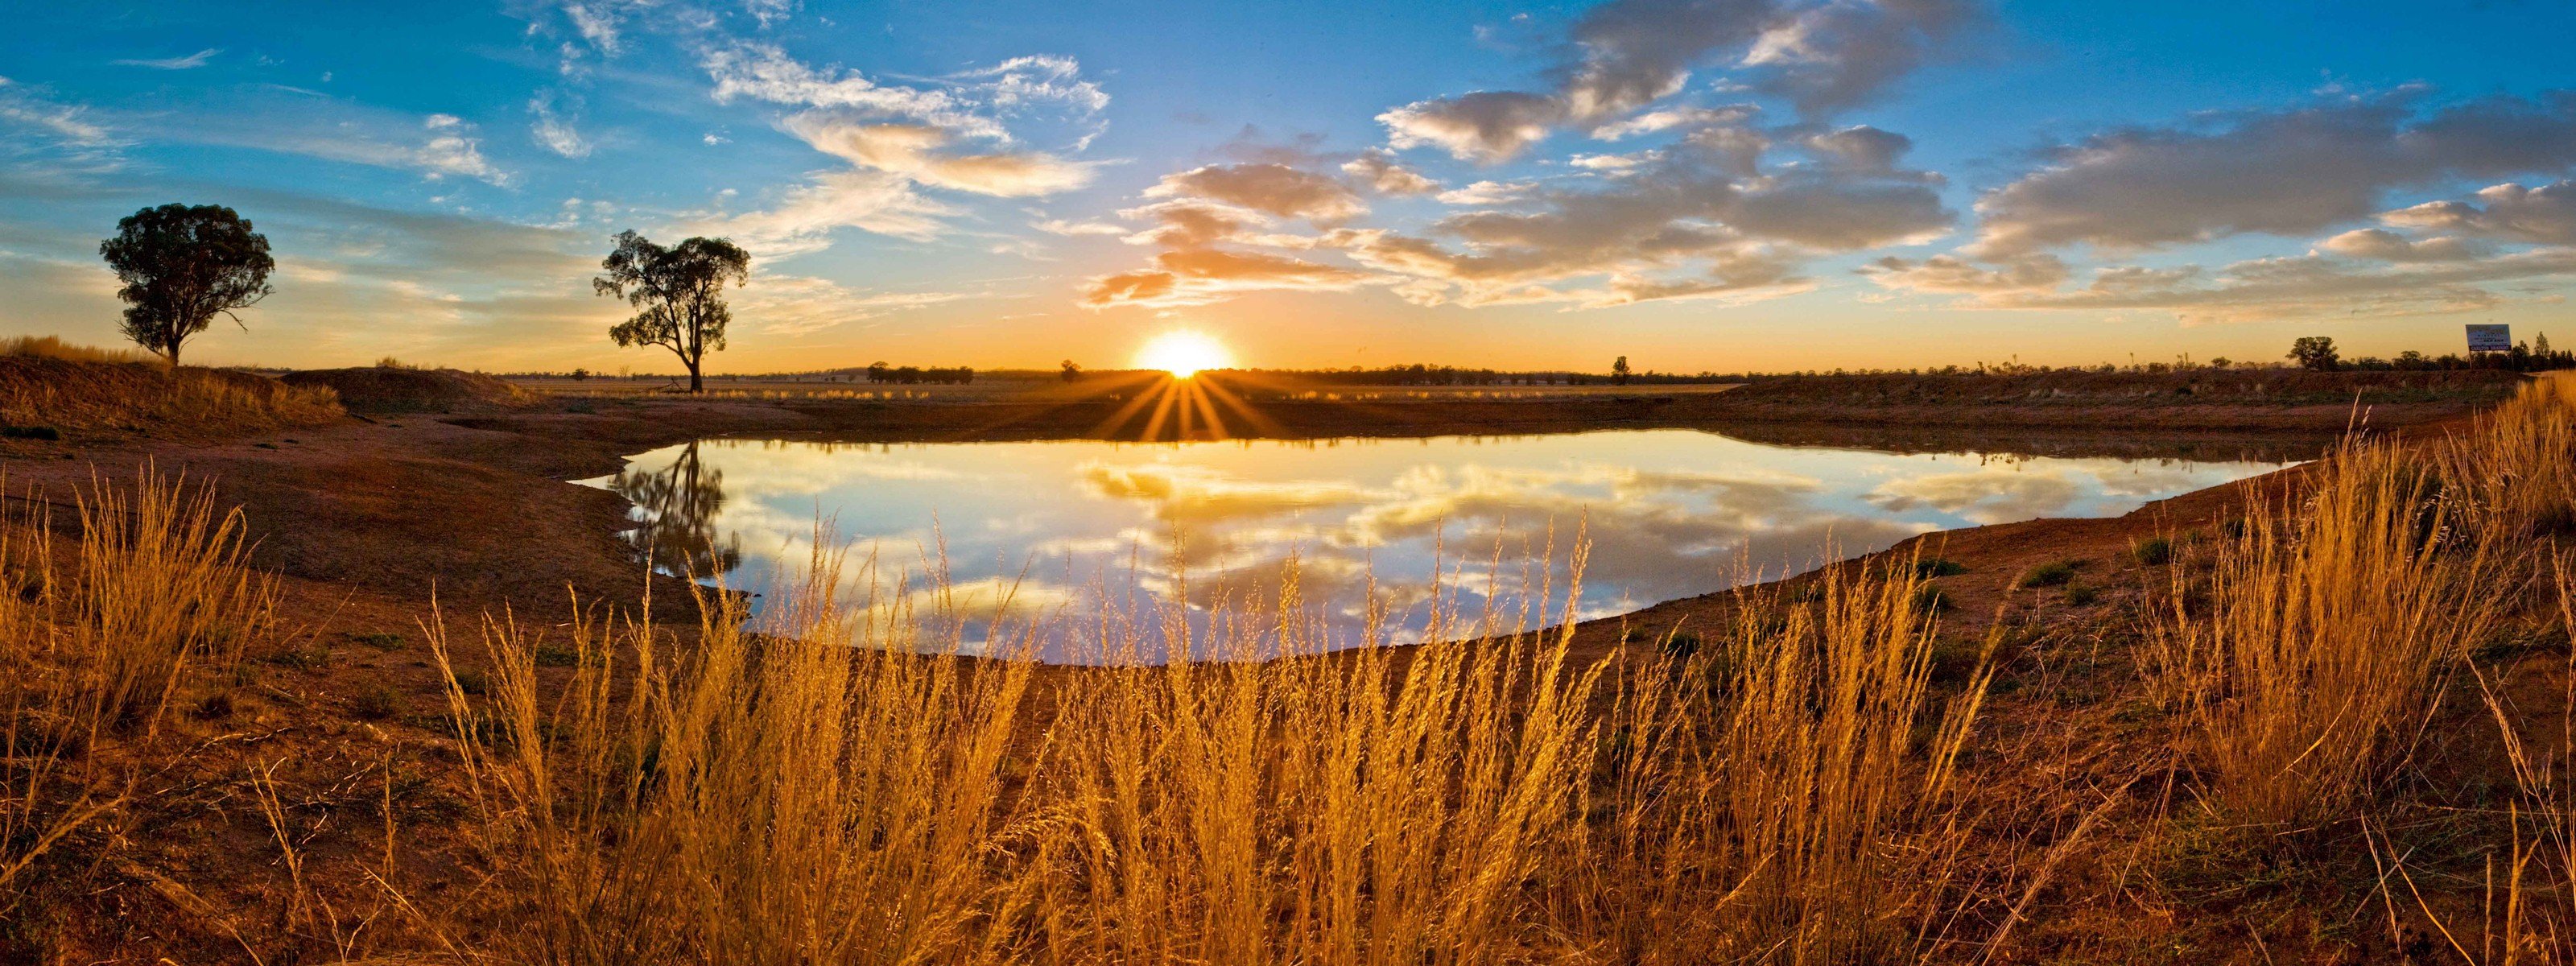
(1079, 525)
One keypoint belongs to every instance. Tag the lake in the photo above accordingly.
(1380, 532)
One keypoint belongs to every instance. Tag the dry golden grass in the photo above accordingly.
(44, 382)
(2537, 923)
(53, 347)
(2309, 652)
(94, 647)
(840, 788)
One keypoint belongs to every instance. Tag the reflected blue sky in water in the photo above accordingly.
(1666, 513)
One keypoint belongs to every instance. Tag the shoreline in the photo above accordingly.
(479, 507)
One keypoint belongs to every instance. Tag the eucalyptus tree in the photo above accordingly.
(182, 265)
(678, 295)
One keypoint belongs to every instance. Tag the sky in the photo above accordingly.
(1721, 185)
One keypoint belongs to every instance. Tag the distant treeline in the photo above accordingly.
(2532, 356)
(909, 375)
(1420, 374)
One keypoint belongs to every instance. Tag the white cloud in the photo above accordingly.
(1627, 54)
(555, 132)
(2378, 244)
(789, 305)
(26, 107)
(2291, 172)
(1059, 226)
(2506, 212)
(913, 150)
(803, 221)
(1488, 193)
(1275, 189)
(191, 61)
(1383, 174)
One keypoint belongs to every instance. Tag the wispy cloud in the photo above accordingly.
(554, 130)
(189, 62)
(24, 106)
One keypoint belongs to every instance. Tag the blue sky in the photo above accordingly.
(1700, 185)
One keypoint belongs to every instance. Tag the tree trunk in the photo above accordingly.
(696, 384)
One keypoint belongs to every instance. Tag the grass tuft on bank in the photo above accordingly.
(68, 390)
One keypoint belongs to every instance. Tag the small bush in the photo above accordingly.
(2079, 595)
(556, 655)
(2056, 574)
(215, 707)
(30, 432)
(1931, 599)
(380, 640)
(303, 657)
(1939, 567)
(1681, 644)
(472, 681)
(2152, 551)
(376, 703)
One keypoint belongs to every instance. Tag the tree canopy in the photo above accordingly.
(2315, 352)
(182, 265)
(677, 292)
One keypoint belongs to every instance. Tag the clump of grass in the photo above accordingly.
(2052, 574)
(2309, 655)
(2081, 595)
(1931, 599)
(376, 702)
(303, 656)
(2152, 551)
(97, 645)
(69, 388)
(1938, 567)
(380, 640)
(53, 347)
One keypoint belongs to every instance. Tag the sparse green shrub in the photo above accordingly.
(303, 657)
(2152, 551)
(1681, 644)
(2053, 574)
(2080, 595)
(377, 702)
(1931, 599)
(380, 640)
(1938, 567)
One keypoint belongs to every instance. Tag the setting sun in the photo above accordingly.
(1183, 354)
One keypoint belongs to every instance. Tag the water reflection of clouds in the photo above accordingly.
(1666, 513)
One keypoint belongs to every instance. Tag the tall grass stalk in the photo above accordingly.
(843, 787)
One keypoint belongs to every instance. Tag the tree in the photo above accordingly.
(183, 265)
(2315, 352)
(2540, 345)
(1619, 372)
(877, 371)
(678, 294)
(1072, 371)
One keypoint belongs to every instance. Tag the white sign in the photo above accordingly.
(2491, 338)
